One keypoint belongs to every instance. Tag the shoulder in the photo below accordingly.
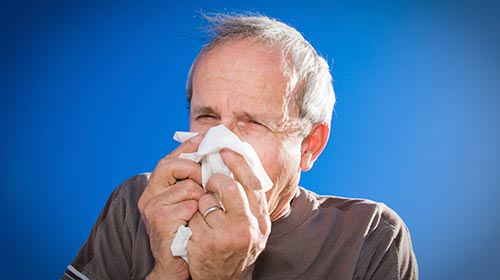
(117, 244)
(123, 200)
(132, 188)
(386, 247)
(375, 215)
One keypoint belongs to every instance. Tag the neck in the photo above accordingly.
(283, 205)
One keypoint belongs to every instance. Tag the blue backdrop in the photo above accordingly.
(91, 93)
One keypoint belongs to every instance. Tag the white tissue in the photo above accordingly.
(217, 138)
(179, 244)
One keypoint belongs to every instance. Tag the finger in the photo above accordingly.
(244, 174)
(211, 209)
(182, 191)
(188, 146)
(166, 219)
(241, 170)
(171, 170)
(166, 212)
(162, 231)
(231, 194)
(199, 227)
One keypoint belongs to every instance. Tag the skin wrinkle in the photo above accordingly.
(280, 198)
(290, 104)
(286, 122)
(244, 93)
(276, 79)
(308, 71)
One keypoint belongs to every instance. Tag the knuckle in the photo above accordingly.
(219, 181)
(187, 209)
(190, 186)
(253, 182)
(206, 199)
(144, 204)
(217, 177)
(232, 187)
(164, 161)
(141, 203)
(148, 212)
(165, 164)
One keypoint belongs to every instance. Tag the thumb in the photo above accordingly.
(188, 146)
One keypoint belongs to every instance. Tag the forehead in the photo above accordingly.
(244, 73)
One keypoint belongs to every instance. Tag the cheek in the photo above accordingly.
(197, 127)
(267, 150)
(280, 160)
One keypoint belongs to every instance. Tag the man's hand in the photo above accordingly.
(170, 200)
(225, 244)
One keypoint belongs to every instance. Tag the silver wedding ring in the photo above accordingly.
(212, 209)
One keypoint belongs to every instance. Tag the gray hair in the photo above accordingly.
(310, 76)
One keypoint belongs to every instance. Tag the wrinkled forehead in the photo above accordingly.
(239, 59)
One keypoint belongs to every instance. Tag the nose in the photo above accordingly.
(229, 123)
(232, 125)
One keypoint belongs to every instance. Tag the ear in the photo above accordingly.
(313, 145)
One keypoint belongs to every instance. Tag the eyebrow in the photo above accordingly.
(197, 111)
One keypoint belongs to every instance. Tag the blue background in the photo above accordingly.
(91, 93)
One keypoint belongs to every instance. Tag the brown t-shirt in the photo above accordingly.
(323, 237)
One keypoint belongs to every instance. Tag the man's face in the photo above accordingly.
(241, 85)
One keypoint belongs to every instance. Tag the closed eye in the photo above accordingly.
(256, 124)
(206, 117)
(204, 114)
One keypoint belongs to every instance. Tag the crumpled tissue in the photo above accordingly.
(217, 138)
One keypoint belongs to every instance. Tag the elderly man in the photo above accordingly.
(265, 83)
